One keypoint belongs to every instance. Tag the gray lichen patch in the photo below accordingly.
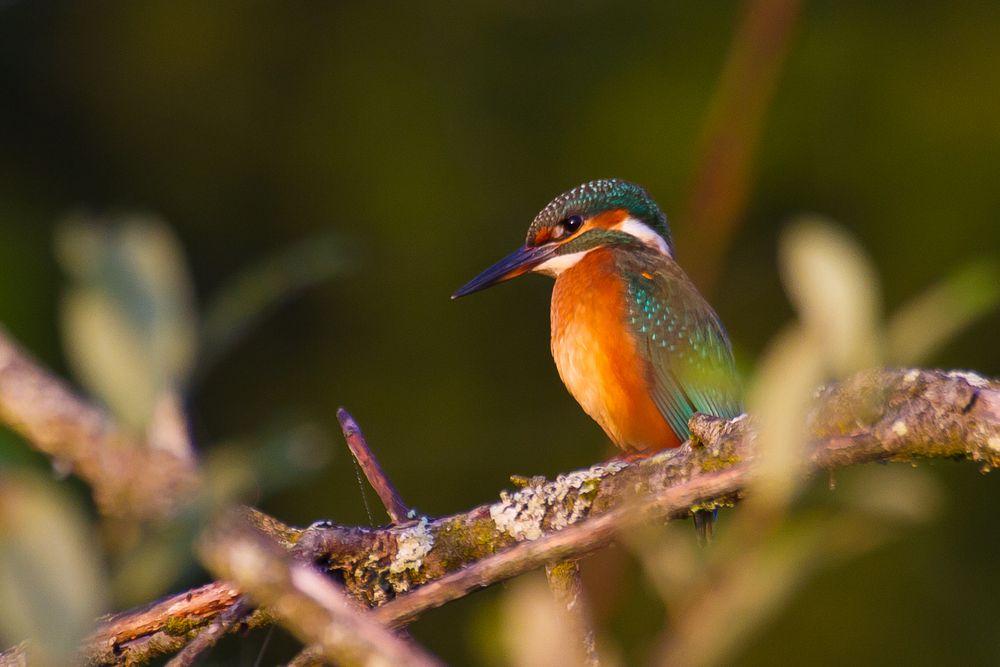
(412, 545)
(973, 379)
(398, 564)
(525, 514)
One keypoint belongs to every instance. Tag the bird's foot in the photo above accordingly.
(631, 457)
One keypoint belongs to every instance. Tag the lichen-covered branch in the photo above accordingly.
(210, 635)
(310, 605)
(572, 541)
(879, 415)
(129, 477)
(164, 626)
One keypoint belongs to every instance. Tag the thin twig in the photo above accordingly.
(307, 603)
(567, 588)
(398, 511)
(394, 505)
(723, 166)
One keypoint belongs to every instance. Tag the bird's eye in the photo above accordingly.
(572, 223)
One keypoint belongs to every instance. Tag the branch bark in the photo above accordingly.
(15, 656)
(881, 415)
(212, 633)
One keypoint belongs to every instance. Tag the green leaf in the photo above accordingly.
(779, 397)
(128, 314)
(835, 290)
(52, 585)
(256, 291)
(927, 322)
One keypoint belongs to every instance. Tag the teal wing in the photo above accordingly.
(690, 361)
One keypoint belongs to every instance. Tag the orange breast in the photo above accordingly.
(595, 353)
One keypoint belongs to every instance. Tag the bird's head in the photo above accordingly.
(593, 215)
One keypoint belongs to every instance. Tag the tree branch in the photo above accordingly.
(164, 626)
(571, 542)
(308, 604)
(880, 415)
(128, 477)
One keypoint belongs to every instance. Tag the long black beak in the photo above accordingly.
(513, 265)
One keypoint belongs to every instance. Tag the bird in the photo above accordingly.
(634, 341)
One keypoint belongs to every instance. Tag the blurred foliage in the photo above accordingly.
(533, 629)
(52, 583)
(128, 316)
(254, 292)
(929, 320)
(398, 149)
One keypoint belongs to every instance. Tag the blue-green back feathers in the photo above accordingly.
(690, 362)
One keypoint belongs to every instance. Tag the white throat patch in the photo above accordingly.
(644, 233)
(556, 264)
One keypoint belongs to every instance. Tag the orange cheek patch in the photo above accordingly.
(609, 219)
(544, 235)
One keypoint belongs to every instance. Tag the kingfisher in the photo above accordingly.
(635, 343)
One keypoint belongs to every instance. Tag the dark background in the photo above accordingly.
(424, 138)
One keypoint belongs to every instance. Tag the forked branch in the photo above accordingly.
(883, 415)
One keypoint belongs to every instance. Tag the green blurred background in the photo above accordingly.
(416, 142)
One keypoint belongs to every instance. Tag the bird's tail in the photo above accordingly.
(704, 524)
